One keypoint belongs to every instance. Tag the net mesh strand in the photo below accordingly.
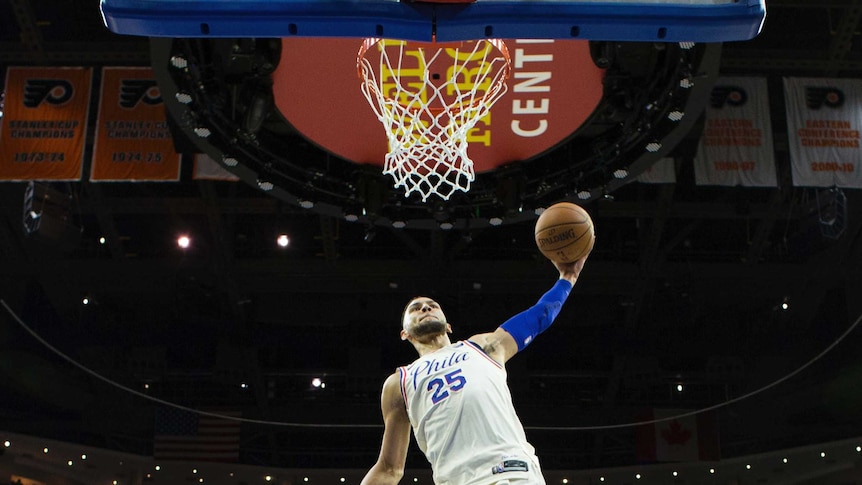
(427, 125)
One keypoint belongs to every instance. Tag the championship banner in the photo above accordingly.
(736, 145)
(133, 142)
(43, 127)
(661, 172)
(208, 169)
(823, 122)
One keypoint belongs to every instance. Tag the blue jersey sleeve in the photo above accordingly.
(524, 326)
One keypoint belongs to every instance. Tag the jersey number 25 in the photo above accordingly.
(454, 383)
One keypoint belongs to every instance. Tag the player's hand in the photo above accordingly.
(571, 271)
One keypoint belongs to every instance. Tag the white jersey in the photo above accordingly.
(462, 416)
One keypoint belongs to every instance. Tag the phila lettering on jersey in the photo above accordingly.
(462, 415)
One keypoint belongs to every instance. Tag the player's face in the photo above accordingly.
(423, 317)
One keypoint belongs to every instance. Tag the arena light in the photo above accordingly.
(265, 185)
(179, 62)
(230, 161)
(184, 242)
(183, 97)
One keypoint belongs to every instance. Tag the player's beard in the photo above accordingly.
(428, 327)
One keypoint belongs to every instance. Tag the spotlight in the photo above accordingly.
(399, 224)
(282, 240)
(184, 242)
(102, 240)
(653, 147)
(785, 304)
(202, 131)
(306, 204)
(7, 444)
(179, 62)
(584, 194)
(316, 382)
(265, 186)
(679, 388)
(85, 301)
(230, 161)
(621, 173)
(686, 45)
(675, 115)
(184, 98)
(495, 221)
(446, 226)
(351, 217)
(686, 83)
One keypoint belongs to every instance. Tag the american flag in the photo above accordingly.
(187, 436)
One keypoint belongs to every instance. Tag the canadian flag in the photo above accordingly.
(689, 438)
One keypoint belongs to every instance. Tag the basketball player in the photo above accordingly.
(456, 398)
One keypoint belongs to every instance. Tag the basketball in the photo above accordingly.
(565, 232)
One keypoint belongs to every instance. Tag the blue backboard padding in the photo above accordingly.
(537, 19)
(557, 20)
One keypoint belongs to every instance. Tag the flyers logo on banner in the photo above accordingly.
(134, 91)
(133, 141)
(818, 96)
(53, 91)
(727, 95)
(43, 130)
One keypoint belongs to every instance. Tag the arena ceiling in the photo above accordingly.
(685, 285)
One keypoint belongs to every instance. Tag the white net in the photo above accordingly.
(428, 98)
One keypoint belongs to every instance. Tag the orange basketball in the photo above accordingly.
(565, 232)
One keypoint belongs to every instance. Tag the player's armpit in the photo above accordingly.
(499, 345)
(396, 437)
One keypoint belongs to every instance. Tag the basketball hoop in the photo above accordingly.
(428, 97)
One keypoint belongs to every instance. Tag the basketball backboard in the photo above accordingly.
(643, 20)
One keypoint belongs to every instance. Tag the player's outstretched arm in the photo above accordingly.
(396, 437)
(517, 332)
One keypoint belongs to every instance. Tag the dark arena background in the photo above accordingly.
(738, 300)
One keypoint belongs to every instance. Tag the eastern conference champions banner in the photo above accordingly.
(133, 142)
(43, 128)
(736, 144)
(823, 122)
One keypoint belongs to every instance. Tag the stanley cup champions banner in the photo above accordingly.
(44, 124)
(133, 141)
(736, 145)
(823, 122)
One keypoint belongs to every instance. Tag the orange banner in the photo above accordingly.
(43, 128)
(133, 142)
